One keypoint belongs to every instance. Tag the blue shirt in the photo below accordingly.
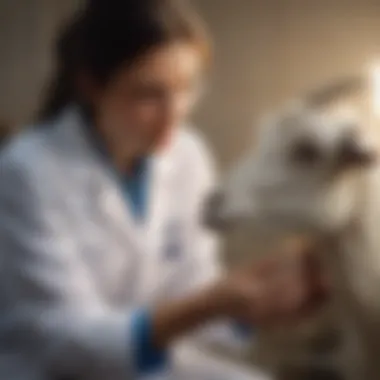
(135, 184)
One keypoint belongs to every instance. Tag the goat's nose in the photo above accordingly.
(212, 211)
(353, 154)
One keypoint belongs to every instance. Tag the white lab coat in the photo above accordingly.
(74, 263)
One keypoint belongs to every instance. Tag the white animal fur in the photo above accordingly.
(266, 194)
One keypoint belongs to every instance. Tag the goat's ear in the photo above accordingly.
(282, 120)
(293, 113)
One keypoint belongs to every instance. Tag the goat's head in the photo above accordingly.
(300, 177)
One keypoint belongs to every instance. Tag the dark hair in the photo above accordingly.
(107, 34)
(6, 132)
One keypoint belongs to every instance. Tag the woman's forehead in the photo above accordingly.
(168, 64)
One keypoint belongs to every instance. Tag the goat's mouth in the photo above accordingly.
(212, 216)
(216, 223)
(272, 224)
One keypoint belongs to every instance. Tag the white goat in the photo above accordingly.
(314, 174)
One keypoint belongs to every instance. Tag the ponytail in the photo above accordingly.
(60, 91)
(59, 96)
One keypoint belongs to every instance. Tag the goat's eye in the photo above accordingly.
(305, 152)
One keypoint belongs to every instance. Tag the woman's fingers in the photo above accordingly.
(280, 289)
(293, 288)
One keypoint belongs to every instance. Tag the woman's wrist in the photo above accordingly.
(177, 318)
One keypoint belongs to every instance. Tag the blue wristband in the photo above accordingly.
(147, 358)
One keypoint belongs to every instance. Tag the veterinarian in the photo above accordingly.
(105, 263)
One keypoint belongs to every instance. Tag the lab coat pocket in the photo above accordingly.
(173, 243)
(174, 259)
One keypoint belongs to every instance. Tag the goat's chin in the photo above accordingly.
(275, 227)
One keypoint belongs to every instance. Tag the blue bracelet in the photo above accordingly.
(147, 358)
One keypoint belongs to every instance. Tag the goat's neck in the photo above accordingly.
(353, 254)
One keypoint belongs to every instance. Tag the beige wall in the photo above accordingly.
(26, 33)
(266, 51)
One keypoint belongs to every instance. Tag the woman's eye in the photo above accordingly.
(148, 93)
(305, 153)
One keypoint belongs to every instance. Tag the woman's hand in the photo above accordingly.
(278, 290)
(275, 291)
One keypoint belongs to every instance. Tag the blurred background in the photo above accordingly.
(266, 51)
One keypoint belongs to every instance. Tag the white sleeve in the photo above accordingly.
(204, 254)
(193, 358)
(192, 362)
(51, 313)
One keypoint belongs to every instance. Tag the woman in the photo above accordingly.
(105, 263)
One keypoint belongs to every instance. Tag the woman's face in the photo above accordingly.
(139, 107)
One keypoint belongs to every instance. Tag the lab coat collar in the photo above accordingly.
(143, 238)
(77, 130)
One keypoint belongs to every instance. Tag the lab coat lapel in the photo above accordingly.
(160, 201)
(141, 241)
